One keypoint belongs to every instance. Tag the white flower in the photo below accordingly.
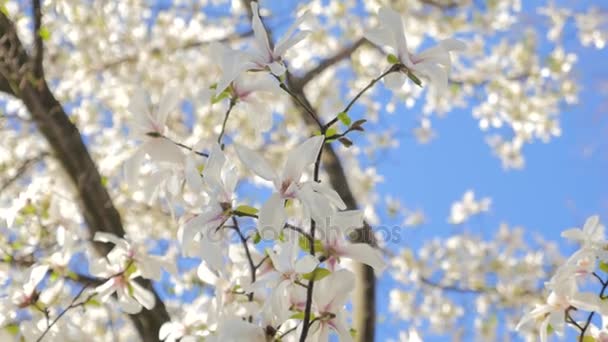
(433, 64)
(220, 178)
(254, 93)
(315, 197)
(286, 270)
(335, 242)
(462, 210)
(329, 296)
(264, 57)
(149, 126)
(126, 252)
(131, 296)
(592, 234)
(28, 294)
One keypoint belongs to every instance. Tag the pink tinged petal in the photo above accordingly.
(259, 32)
(169, 102)
(127, 303)
(255, 162)
(106, 289)
(300, 157)
(394, 80)
(143, 296)
(272, 217)
(306, 264)
(392, 20)
(365, 254)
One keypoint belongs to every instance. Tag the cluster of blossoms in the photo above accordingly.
(573, 299)
(260, 287)
(289, 277)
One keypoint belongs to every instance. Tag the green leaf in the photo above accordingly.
(54, 276)
(257, 238)
(223, 95)
(392, 59)
(104, 181)
(331, 132)
(12, 329)
(44, 33)
(132, 269)
(304, 244)
(344, 118)
(28, 209)
(353, 332)
(604, 266)
(297, 315)
(588, 338)
(93, 302)
(317, 274)
(245, 209)
(550, 329)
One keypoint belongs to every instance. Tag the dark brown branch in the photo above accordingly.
(67, 145)
(346, 52)
(38, 39)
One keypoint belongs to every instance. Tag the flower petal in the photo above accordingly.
(255, 162)
(302, 156)
(272, 217)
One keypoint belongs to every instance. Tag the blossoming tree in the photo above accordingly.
(139, 140)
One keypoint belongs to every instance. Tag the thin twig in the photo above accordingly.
(71, 306)
(202, 154)
(392, 69)
(219, 138)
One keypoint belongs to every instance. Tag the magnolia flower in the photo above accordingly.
(287, 269)
(433, 64)
(126, 252)
(237, 330)
(131, 296)
(253, 93)
(264, 57)
(315, 197)
(28, 294)
(150, 127)
(329, 297)
(336, 247)
(591, 235)
(220, 178)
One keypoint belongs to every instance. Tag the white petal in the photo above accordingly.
(192, 175)
(452, 44)
(206, 275)
(277, 68)
(36, 276)
(272, 217)
(168, 102)
(211, 253)
(127, 303)
(106, 289)
(392, 20)
(163, 150)
(365, 254)
(261, 37)
(379, 36)
(143, 296)
(255, 162)
(302, 156)
(306, 265)
(329, 193)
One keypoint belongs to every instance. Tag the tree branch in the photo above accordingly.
(23, 168)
